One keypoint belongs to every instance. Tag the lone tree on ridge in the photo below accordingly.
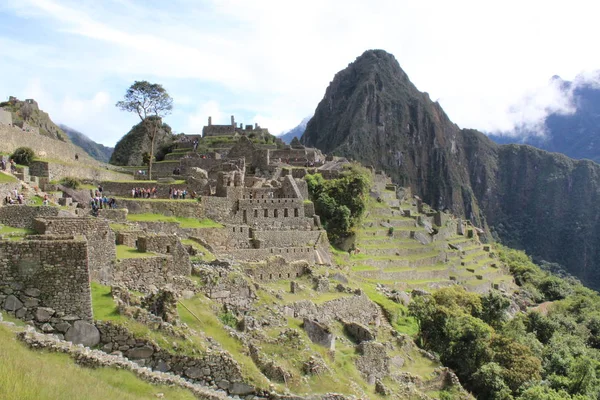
(151, 102)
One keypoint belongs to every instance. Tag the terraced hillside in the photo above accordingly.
(399, 246)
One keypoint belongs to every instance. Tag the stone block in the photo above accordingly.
(319, 334)
(83, 333)
(11, 303)
(43, 314)
(138, 353)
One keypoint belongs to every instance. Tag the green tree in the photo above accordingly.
(493, 308)
(151, 102)
(23, 155)
(489, 384)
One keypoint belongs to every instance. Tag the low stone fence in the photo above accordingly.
(215, 368)
(96, 358)
(56, 171)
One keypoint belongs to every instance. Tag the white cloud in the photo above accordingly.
(199, 118)
(274, 59)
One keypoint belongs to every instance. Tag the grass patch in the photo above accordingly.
(15, 233)
(204, 320)
(28, 374)
(5, 178)
(131, 252)
(207, 255)
(184, 222)
(396, 313)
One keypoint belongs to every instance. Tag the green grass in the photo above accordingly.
(15, 233)
(39, 375)
(120, 227)
(105, 309)
(184, 222)
(131, 252)
(208, 256)
(396, 313)
(204, 320)
(5, 178)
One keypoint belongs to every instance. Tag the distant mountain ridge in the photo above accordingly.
(288, 136)
(576, 134)
(96, 150)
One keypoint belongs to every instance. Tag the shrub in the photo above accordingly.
(391, 231)
(228, 319)
(70, 182)
(23, 155)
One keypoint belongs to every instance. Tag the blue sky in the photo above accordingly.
(270, 62)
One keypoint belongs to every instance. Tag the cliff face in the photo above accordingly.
(130, 149)
(542, 202)
(372, 112)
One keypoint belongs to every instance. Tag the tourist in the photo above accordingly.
(133, 192)
(13, 166)
(3, 164)
(76, 157)
(46, 200)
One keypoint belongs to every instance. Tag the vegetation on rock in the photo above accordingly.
(151, 102)
(23, 155)
(340, 202)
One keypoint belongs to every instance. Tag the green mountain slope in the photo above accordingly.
(543, 202)
(96, 150)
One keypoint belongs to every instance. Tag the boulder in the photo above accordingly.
(138, 353)
(43, 314)
(11, 303)
(240, 389)
(198, 173)
(84, 333)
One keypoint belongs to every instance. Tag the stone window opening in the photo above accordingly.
(275, 213)
(270, 276)
(168, 249)
(296, 212)
(266, 212)
(233, 228)
(285, 212)
(255, 213)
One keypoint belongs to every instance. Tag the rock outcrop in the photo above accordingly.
(543, 202)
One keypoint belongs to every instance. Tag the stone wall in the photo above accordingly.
(21, 216)
(179, 208)
(217, 208)
(14, 137)
(167, 244)
(5, 117)
(214, 368)
(276, 268)
(129, 238)
(357, 308)
(100, 237)
(46, 280)
(83, 170)
(145, 274)
(288, 238)
(114, 215)
(289, 254)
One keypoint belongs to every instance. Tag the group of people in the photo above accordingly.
(100, 202)
(143, 193)
(13, 166)
(178, 193)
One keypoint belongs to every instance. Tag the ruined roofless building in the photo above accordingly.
(232, 129)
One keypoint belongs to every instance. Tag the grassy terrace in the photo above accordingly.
(105, 309)
(5, 178)
(131, 252)
(184, 222)
(15, 233)
(31, 374)
(207, 255)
